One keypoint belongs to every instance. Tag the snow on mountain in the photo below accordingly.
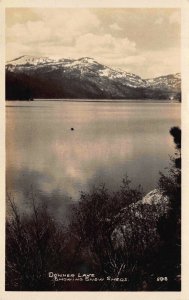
(83, 78)
(84, 65)
(172, 81)
(132, 80)
(30, 60)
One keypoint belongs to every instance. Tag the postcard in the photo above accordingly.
(94, 101)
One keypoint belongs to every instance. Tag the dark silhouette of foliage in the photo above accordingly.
(169, 225)
(110, 234)
(34, 245)
(47, 83)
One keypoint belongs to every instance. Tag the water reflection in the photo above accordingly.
(109, 140)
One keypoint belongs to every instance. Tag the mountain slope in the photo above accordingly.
(41, 77)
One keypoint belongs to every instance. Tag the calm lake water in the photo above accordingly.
(110, 140)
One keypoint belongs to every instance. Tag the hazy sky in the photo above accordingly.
(142, 41)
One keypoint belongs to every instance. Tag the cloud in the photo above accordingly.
(162, 62)
(130, 39)
(115, 26)
(30, 32)
(102, 47)
(105, 44)
(64, 25)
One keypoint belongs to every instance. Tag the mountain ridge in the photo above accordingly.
(42, 77)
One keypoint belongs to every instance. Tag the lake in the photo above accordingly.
(109, 140)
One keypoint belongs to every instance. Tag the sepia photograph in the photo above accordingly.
(93, 99)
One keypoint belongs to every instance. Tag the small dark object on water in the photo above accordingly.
(72, 128)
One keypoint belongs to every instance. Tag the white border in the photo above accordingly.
(184, 5)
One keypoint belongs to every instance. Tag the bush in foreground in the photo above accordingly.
(109, 234)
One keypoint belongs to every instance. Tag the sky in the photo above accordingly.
(143, 41)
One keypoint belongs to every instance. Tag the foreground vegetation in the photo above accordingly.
(110, 235)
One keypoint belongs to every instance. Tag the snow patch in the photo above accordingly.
(155, 197)
(32, 60)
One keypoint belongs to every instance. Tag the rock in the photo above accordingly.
(137, 224)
